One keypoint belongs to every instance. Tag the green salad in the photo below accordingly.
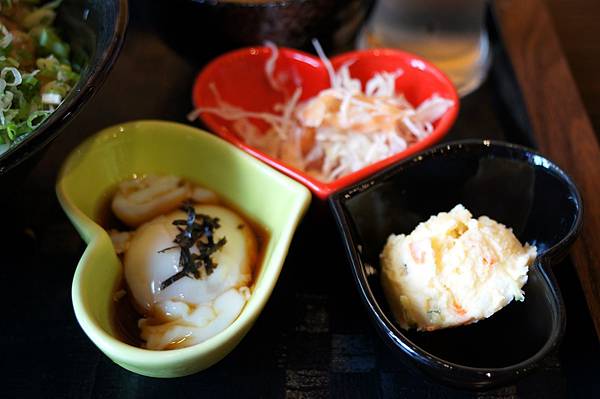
(36, 72)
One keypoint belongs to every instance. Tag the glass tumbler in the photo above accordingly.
(449, 33)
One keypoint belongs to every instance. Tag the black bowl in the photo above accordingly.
(202, 29)
(95, 29)
(508, 183)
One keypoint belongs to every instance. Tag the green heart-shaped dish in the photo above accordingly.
(91, 172)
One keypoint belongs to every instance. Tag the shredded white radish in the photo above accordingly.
(270, 66)
(326, 62)
(339, 131)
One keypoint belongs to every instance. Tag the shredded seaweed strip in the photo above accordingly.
(199, 231)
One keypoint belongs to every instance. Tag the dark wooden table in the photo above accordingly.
(313, 339)
(576, 24)
(559, 123)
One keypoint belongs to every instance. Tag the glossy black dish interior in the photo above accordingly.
(95, 29)
(187, 24)
(508, 183)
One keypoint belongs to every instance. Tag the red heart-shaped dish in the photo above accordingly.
(241, 81)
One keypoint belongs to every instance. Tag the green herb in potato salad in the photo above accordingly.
(35, 69)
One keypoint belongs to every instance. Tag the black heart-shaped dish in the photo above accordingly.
(509, 183)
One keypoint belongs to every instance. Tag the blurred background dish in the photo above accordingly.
(217, 26)
(96, 29)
